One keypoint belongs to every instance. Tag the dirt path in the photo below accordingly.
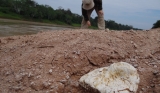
(24, 22)
(53, 62)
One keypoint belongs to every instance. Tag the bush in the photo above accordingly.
(156, 25)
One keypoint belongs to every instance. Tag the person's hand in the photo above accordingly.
(100, 12)
(88, 23)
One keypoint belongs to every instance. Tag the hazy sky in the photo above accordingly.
(138, 13)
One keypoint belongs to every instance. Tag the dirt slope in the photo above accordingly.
(53, 62)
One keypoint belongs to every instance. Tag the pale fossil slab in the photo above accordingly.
(117, 78)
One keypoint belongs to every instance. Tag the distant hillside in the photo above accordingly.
(31, 10)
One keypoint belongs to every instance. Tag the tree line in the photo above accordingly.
(30, 9)
(156, 24)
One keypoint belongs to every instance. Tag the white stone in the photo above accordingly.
(107, 29)
(50, 71)
(117, 78)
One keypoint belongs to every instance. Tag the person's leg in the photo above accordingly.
(84, 23)
(101, 22)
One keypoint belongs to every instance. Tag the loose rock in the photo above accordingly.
(117, 77)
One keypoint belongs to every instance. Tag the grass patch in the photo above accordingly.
(59, 22)
(47, 21)
(11, 16)
(76, 25)
(93, 27)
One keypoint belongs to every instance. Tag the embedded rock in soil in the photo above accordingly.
(117, 78)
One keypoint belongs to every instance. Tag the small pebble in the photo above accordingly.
(155, 66)
(50, 71)
(152, 85)
(40, 66)
(135, 65)
(155, 72)
(143, 89)
(148, 87)
(133, 60)
(30, 74)
(7, 73)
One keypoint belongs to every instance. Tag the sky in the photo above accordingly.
(140, 14)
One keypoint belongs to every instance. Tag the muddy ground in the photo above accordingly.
(53, 62)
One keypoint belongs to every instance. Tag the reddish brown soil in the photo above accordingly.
(53, 62)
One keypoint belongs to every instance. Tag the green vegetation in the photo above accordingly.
(156, 25)
(9, 14)
(32, 11)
